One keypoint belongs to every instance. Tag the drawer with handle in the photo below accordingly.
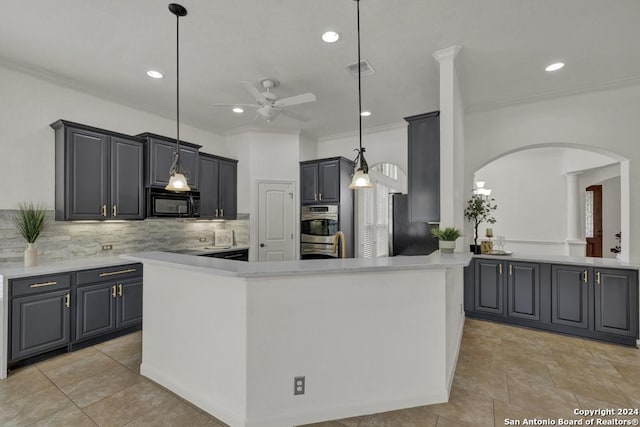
(37, 284)
(115, 273)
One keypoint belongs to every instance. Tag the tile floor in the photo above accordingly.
(503, 372)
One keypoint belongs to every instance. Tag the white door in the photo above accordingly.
(275, 221)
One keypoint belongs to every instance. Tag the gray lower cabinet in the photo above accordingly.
(489, 286)
(240, 255)
(39, 323)
(56, 311)
(570, 296)
(600, 303)
(523, 290)
(616, 301)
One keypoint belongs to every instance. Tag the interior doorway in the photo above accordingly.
(276, 226)
(593, 220)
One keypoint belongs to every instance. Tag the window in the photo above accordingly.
(372, 207)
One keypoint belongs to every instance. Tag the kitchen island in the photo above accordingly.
(367, 335)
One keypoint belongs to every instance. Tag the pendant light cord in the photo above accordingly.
(359, 82)
(177, 88)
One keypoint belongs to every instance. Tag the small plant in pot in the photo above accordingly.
(30, 222)
(479, 209)
(447, 237)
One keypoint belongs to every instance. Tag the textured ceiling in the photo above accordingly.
(105, 47)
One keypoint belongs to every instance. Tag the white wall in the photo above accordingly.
(29, 105)
(265, 156)
(383, 145)
(603, 121)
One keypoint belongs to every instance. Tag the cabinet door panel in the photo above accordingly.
(424, 167)
(127, 187)
(39, 323)
(189, 161)
(523, 290)
(86, 174)
(95, 310)
(569, 296)
(130, 303)
(329, 178)
(489, 288)
(309, 182)
(228, 189)
(616, 302)
(208, 186)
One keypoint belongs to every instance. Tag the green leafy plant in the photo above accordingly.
(30, 220)
(449, 234)
(480, 209)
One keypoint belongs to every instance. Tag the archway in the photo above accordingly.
(540, 197)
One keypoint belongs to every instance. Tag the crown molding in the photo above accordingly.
(255, 129)
(367, 131)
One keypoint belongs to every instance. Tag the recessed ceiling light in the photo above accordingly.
(555, 66)
(330, 37)
(238, 110)
(365, 113)
(155, 74)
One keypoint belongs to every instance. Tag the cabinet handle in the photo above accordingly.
(315, 197)
(584, 276)
(113, 291)
(216, 214)
(40, 285)
(500, 268)
(221, 212)
(510, 269)
(104, 210)
(67, 300)
(320, 196)
(113, 273)
(598, 277)
(115, 210)
(233, 256)
(119, 289)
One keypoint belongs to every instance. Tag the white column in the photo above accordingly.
(451, 142)
(575, 242)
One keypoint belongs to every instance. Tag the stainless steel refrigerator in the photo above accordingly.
(408, 238)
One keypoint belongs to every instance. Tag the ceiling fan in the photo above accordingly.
(267, 103)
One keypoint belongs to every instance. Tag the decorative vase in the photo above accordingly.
(31, 255)
(447, 246)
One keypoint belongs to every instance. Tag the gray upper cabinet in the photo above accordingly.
(160, 152)
(99, 174)
(616, 301)
(218, 187)
(325, 180)
(424, 167)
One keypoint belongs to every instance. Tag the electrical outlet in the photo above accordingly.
(461, 310)
(203, 239)
(107, 247)
(298, 385)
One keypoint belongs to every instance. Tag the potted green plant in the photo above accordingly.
(479, 209)
(447, 238)
(30, 221)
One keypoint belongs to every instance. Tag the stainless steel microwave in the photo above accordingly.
(168, 204)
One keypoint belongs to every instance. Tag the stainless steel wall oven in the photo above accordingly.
(318, 225)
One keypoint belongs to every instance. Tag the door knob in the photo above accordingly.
(262, 245)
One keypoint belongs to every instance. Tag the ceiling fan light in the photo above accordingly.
(360, 180)
(177, 183)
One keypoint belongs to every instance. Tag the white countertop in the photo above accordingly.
(565, 259)
(60, 267)
(292, 268)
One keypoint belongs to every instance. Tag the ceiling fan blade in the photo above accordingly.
(253, 91)
(295, 116)
(236, 105)
(297, 99)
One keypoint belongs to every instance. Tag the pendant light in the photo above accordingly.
(177, 180)
(361, 177)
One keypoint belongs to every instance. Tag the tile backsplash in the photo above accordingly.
(64, 241)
